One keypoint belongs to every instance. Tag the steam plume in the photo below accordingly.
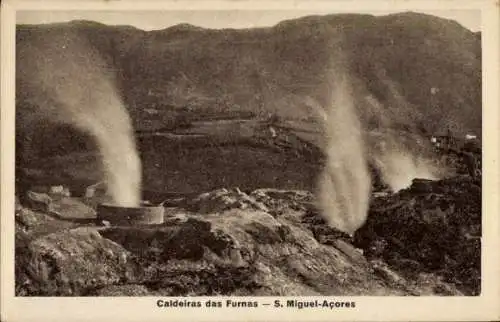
(79, 90)
(359, 130)
(399, 167)
(345, 183)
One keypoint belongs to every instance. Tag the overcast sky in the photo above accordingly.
(149, 20)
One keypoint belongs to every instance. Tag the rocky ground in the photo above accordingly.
(424, 240)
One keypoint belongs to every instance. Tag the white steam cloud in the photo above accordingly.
(345, 184)
(80, 91)
(393, 147)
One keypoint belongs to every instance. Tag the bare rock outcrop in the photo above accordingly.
(432, 227)
(264, 242)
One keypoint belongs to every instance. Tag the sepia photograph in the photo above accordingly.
(230, 154)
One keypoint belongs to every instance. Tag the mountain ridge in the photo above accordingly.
(408, 73)
(250, 71)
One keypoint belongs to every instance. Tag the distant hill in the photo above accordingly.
(191, 69)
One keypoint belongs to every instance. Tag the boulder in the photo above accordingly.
(70, 263)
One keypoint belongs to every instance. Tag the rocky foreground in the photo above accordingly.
(425, 240)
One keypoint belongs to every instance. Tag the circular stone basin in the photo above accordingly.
(142, 215)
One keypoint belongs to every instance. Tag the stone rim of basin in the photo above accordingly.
(146, 213)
